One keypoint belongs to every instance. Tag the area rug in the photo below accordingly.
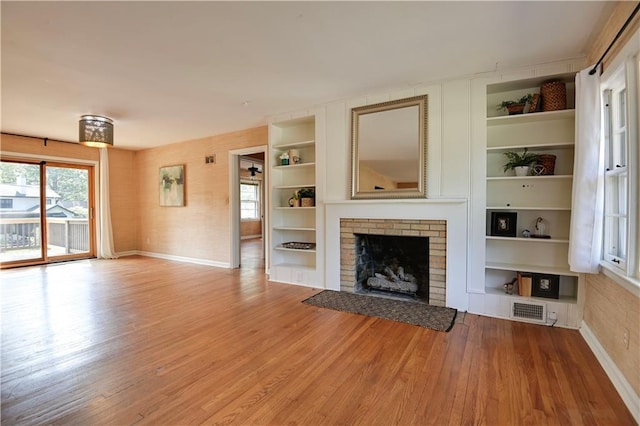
(415, 313)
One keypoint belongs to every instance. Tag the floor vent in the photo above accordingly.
(529, 311)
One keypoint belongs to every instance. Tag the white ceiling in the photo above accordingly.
(172, 71)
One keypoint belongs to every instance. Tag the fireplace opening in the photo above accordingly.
(392, 265)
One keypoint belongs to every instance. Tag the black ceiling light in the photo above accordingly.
(253, 170)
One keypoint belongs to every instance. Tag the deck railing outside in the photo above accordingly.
(72, 234)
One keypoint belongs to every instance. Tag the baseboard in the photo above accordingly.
(127, 253)
(621, 384)
(251, 237)
(184, 259)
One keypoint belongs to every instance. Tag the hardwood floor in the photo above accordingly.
(149, 341)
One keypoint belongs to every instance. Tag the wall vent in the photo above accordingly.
(529, 311)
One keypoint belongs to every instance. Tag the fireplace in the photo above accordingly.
(394, 256)
(392, 265)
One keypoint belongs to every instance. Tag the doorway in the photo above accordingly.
(46, 212)
(248, 207)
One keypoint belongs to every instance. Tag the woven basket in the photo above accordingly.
(515, 109)
(548, 161)
(307, 202)
(554, 96)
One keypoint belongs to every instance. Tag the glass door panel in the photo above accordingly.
(68, 211)
(20, 206)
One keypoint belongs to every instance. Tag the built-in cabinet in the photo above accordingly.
(294, 243)
(545, 199)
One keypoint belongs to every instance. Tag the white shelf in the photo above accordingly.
(298, 186)
(500, 292)
(289, 208)
(528, 208)
(526, 178)
(296, 250)
(294, 166)
(530, 268)
(528, 240)
(293, 228)
(532, 147)
(531, 117)
(294, 145)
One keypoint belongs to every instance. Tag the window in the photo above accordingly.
(620, 246)
(6, 203)
(249, 200)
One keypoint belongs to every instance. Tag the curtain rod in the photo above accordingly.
(627, 22)
(45, 140)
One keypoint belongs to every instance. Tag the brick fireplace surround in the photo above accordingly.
(435, 230)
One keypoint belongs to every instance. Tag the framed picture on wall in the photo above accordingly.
(171, 183)
(546, 285)
(503, 224)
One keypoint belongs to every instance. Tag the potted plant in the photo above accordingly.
(520, 163)
(307, 197)
(515, 106)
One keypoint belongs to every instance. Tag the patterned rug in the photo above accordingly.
(415, 313)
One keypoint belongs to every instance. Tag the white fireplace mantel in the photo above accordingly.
(454, 211)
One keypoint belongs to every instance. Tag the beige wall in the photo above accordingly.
(122, 179)
(250, 228)
(199, 230)
(123, 190)
(609, 308)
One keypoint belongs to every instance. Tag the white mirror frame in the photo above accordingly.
(356, 143)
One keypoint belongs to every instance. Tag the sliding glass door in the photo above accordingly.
(46, 212)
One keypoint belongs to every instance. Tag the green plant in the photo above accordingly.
(306, 193)
(523, 100)
(517, 160)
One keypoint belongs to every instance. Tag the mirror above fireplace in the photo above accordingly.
(389, 149)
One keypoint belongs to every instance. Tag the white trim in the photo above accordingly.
(628, 395)
(195, 260)
(628, 283)
(234, 201)
(250, 237)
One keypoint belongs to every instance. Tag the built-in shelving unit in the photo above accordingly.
(287, 223)
(530, 197)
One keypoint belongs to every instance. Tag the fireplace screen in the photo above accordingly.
(397, 265)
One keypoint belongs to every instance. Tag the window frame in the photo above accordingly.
(257, 202)
(625, 76)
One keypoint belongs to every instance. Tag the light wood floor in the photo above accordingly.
(149, 341)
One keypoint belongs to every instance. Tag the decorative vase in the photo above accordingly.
(522, 170)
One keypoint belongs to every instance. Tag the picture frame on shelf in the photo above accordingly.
(504, 224)
(546, 285)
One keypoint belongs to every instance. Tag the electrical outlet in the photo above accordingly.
(625, 338)
(552, 316)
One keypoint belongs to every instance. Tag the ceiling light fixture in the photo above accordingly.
(96, 131)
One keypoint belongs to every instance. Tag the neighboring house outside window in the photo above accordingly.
(250, 200)
(621, 250)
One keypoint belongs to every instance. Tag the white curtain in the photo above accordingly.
(585, 237)
(105, 234)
